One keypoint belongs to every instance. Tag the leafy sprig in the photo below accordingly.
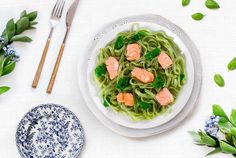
(227, 126)
(12, 33)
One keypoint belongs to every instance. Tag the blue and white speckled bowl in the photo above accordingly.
(49, 131)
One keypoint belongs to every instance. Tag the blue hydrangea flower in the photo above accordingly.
(211, 126)
(10, 51)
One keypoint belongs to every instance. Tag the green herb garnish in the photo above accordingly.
(152, 54)
(106, 102)
(232, 64)
(212, 4)
(122, 83)
(219, 80)
(198, 16)
(120, 41)
(144, 105)
(181, 76)
(100, 70)
(185, 2)
(158, 82)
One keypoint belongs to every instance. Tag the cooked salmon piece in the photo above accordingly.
(164, 97)
(125, 98)
(142, 75)
(112, 67)
(133, 51)
(164, 60)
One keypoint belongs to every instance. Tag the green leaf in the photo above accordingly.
(234, 140)
(181, 76)
(225, 127)
(152, 54)
(227, 148)
(4, 89)
(23, 13)
(10, 28)
(106, 102)
(1, 65)
(22, 25)
(196, 137)
(21, 38)
(120, 41)
(123, 83)
(219, 80)
(185, 2)
(100, 70)
(232, 64)
(233, 131)
(218, 111)
(33, 23)
(233, 117)
(9, 68)
(144, 105)
(33, 15)
(215, 151)
(198, 16)
(212, 4)
(207, 140)
(158, 82)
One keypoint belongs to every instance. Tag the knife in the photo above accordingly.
(69, 18)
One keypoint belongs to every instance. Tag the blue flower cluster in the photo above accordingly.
(10, 51)
(211, 126)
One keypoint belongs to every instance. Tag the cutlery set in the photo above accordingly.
(54, 20)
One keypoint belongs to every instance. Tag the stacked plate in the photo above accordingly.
(185, 101)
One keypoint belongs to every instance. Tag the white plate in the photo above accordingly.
(190, 91)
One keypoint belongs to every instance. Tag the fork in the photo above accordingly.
(54, 20)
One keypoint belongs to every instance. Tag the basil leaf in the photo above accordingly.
(21, 38)
(152, 54)
(144, 105)
(227, 148)
(9, 68)
(100, 70)
(196, 137)
(4, 89)
(33, 15)
(232, 64)
(218, 111)
(158, 82)
(181, 76)
(120, 41)
(22, 25)
(219, 80)
(225, 127)
(198, 16)
(10, 28)
(233, 117)
(215, 151)
(23, 13)
(185, 2)
(106, 102)
(212, 4)
(123, 83)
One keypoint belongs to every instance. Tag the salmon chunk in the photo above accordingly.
(125, 98)
(164, 97)
(164, 60)
(142, 75)
(112, 67)
(133, 51)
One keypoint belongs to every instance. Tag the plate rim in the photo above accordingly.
(197, 74)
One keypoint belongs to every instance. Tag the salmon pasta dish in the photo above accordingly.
(140, 73)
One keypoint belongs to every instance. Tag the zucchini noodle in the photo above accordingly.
(174, 77)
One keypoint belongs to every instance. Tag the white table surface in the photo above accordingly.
(215, 36)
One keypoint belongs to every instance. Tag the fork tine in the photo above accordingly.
(54, 8)
(61, 9)
(58, 8)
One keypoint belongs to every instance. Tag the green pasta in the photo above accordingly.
(146, 107)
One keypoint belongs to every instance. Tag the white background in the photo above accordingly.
(215, 36)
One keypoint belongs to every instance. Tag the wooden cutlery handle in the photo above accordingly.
(55, 70)
(40, 66)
